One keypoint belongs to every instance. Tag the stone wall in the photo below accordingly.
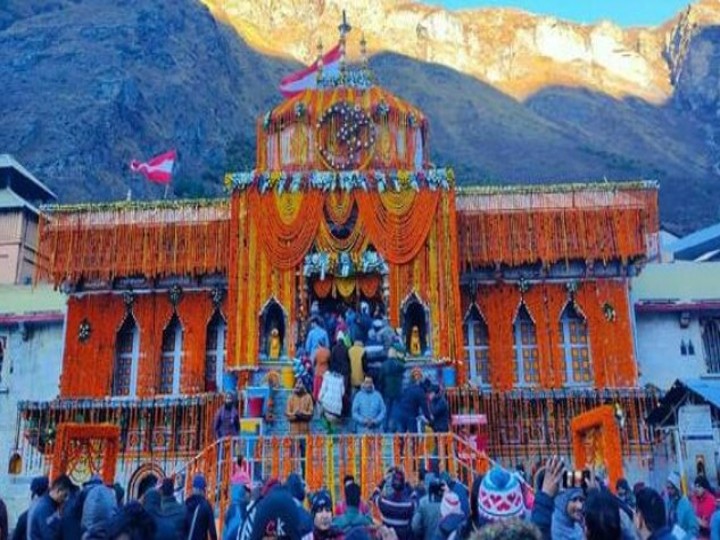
(659, 339)
(30, 371)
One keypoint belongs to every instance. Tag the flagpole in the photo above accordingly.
(167, 189)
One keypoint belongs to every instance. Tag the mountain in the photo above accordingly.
(512, 97)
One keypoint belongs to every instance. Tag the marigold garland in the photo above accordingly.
(611, 347)
(399, 126)
(103, 242)
(600, 421)
(547, 225)
(285, 243)
(88, 366)
(70, 435)
(398, 232)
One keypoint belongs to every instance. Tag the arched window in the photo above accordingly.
(171, 357)
(127, 351)
(215, 353)
(575, 349)
(476, 347)
(527, 360)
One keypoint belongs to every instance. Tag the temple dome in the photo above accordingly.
(353, 125)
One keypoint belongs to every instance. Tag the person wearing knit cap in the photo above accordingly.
(679, 510)
(38, 487)
(199, 516)
(500, 496)
(511, 529)
(323, 528)
(396, 505)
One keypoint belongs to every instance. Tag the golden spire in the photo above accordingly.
(344, 29)
(319, 58)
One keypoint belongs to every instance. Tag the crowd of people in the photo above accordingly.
(499, 505)
(358, 375)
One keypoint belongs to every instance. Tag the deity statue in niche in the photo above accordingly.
(274, 344)
(272, 330)
(414, 327)
(415, 346)
(594, 452)
(344, 265)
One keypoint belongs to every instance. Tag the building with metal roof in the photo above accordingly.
(677, 320)
(20, 196)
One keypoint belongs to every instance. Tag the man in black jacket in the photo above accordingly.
(199, 517)
(44, 518)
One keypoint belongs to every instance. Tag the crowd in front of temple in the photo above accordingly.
(499, 505)
(357, 373)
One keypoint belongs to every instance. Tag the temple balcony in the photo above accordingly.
(151, 429)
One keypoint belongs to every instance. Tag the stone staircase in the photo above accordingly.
(281, 426)
(324, 460)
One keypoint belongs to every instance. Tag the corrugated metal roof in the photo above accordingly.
(10, 200)
(695, 244)
(29, 300)
(679, 282)
(707, 390)
(7, 161)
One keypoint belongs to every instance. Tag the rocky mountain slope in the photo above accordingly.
(512, 97)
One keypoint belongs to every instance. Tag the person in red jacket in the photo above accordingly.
(703, 502)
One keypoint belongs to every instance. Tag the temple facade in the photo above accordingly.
(516, 297)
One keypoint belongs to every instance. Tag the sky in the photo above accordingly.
(622, 12)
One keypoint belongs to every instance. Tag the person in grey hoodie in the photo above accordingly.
(568, 515)
(98, 507)
(427, 514)
(171, 509)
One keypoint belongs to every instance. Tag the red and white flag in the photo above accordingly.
(158, 169)
(307, 78)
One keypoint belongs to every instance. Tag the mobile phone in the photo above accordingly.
(575, 479)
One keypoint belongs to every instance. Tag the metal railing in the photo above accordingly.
(524, 425)
(323, 461)
(161, 430)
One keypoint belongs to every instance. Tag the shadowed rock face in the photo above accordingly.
(512, 97)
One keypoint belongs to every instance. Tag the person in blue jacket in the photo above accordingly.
(413, 402)
(679, 510)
